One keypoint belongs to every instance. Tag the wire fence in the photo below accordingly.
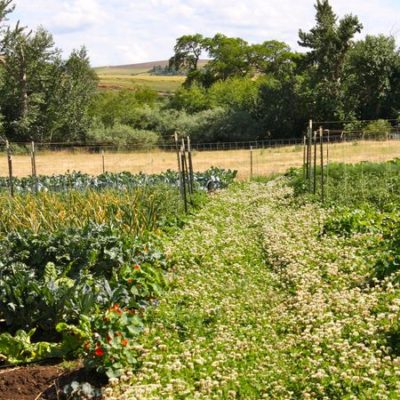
(356, 168)
(255, 158)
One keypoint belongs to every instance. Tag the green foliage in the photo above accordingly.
(79, 269)
(19, 349)
(43, 96)
(371, 77)
(108, 340)
(112, 108)
(83, 188)
(188, 49)
(356, 185)
(124, 136)
(192, 99)
(364, 200)
(329, 41)
(379, 129)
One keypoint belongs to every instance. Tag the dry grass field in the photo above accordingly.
(265, 161)
(161, 84)
(131, 76)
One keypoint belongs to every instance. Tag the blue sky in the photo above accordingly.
(130, 31)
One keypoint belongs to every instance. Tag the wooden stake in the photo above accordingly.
(183, 163)
(327, 163)
(34, 172)
(10, 168)
(191, 173)
(315, 163)
(251, 162)
(178, 155)
(103, 161)
(321, 134)
(309, 154)
(304, 157)
(185, 167)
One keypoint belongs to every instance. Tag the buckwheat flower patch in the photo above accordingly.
(262, 305)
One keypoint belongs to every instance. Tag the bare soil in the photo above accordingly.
(42, 382)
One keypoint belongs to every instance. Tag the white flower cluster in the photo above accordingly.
(263, 306)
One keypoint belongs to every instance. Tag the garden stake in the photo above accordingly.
(10, 168)
(315, 162)
(304, 157)
(178, 155)
(309, 154)
(33, 161)
(251, 162)
(103, 161)
(186, 169)
(191, 179)
(184, 179)
(322, 163)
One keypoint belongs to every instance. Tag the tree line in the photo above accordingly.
(337, 78)
(244, 92)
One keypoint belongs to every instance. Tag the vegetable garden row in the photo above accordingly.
(263, 293)
(81, 262)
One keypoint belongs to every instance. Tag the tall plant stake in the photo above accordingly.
(315, 162)
(191, 173)
(321, 142)
(33, 162)
(178, 155)
(10, 168)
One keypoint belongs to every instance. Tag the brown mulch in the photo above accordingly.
(41, 382)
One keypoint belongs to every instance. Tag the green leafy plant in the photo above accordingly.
(107, 341)
(19, 349)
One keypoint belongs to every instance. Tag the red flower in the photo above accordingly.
(124, 342)
(136, 267)
(99, 352)
(116, 309)
(130, 280)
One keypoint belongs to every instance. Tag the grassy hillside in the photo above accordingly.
(132, 75)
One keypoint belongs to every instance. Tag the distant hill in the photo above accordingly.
(130, 76)
(134, 69)
(145, 65)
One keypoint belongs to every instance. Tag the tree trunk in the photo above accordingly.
(23, 85)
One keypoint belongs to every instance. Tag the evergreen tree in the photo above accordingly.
(329, 41)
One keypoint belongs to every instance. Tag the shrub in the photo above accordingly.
(379, 129)
(123, 135)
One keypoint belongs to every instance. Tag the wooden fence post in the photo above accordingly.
(183, 164)
(309, 154)
(178, 155)
(103, 161)
(34, 171)
(315, 163)
(251, 162)
(10, 168)
(322, 163)
(304, 157)
(191, 173)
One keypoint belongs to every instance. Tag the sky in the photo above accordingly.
(118, 32)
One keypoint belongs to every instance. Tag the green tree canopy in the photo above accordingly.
(329, 41)
(371, 78)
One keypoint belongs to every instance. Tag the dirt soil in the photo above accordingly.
(41, 382)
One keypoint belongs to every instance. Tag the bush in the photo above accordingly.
(379, 129)
(123, 135)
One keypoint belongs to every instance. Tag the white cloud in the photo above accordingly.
(128, 31)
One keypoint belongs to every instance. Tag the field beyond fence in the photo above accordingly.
(258, 161)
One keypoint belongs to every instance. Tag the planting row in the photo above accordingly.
(79, 268)
(214, 178)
